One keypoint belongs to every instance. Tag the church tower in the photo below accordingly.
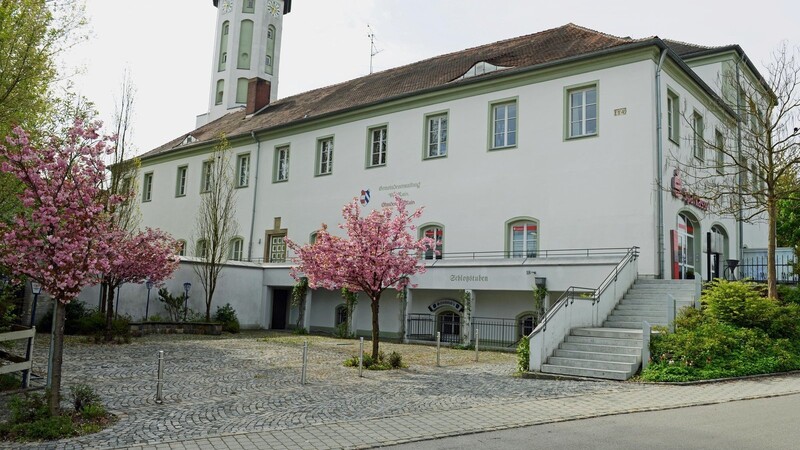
(247, 45)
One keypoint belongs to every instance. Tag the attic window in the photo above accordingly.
(189, 139)
(480, 68)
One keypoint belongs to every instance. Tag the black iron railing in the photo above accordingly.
(755, 268)
(423, 327)
(497, 332)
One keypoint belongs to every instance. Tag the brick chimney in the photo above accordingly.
(257, 95)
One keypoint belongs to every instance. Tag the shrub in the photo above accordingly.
(47, 428)
(173, 304)
(82, 396)
(93, 411)
(75, 313)
(300, 331)
(788, 294)
(395, 360)
(155, 318)
(28, 407)
(227, 316)
(523, 354)
(738, 303)
(9, 382)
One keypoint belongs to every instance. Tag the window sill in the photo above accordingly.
(582, 136)
(281, 181)
(427, 157)
(376, 166)
(323, 174)
(507, 147)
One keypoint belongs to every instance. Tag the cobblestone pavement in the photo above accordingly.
(244, 393)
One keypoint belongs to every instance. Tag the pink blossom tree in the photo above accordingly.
(59, 239)
(149, 255)
(379, 252)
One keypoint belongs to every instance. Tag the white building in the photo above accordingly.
(544, 156)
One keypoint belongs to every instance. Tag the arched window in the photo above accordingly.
(202, 249)
(220, 92)
(223, 45)
(236, 248)
(435, 232)
(523, 238)
(341, 315)
(685, 251)
(270, 56)
(241, 90)
(245, 44)
(313, 237)
(181, 247)
(525, 324)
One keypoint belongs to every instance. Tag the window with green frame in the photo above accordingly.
(504, 124)
(582, 111)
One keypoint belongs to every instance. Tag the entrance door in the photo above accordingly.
(280, 308)
(685, 248)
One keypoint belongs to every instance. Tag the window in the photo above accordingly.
(207, 176)
(377, 147)
(436, 136)
(523, 238)
(236, 247)
(281, 164)
(341, 316)
(181, 247)
(270, 49)
(673, 117)
(698, 149)
(147, 187)
(525, 325)
(243, 170)
(719, 141)
(583, 112)
(313, 237)
(223, 46)
(220, 92)
(435, 232)
(245, 44)
(449, 324)
(248, 6)
(241, 90)
(276, 248)
(325, 156)
(202, 249)
(504, 124)
(180, 181)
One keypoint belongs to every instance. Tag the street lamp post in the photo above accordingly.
(36, 289)
(148, 285)
(186, 287)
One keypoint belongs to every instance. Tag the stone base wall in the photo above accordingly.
(145, 328)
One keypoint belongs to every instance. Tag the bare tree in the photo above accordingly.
(215, 224)
(753, 163)
(121, 182)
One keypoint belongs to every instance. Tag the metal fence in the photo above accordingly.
(496, 332)
(423, 327)
(755, 268)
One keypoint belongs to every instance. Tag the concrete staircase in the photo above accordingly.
(615, 350)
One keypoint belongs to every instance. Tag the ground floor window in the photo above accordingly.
(525, 325)
(341, 315)
(449, 324)
(685, 248)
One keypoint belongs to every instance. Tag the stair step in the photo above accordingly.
(615, 357)
(664, 282)
(632, 325)
(639, 312)
(591, 364)
(614, 349)
(604, 341)
(640, 307)
(606, 333)
(637, 318)
(589, 373)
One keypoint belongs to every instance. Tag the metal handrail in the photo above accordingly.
(594, 294)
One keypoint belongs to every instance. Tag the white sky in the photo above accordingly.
(167, 44)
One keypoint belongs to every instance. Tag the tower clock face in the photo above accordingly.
(227, 6)
(274, 8)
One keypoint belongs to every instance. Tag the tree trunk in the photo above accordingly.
(376, 332)
(109, 313)
(54, 395)
(103, 290)
(772, 276)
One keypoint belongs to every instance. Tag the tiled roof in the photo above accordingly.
(548, 46)
(685, 49)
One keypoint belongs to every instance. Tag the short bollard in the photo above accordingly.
(361, 357)
(438, 346)
(160, 381)
(305, 363)
(477, 341)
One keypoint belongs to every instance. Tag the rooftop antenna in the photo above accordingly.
(372, 49)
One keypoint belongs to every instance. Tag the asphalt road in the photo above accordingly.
(769, 423)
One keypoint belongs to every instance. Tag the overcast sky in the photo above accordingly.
(167, 44)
